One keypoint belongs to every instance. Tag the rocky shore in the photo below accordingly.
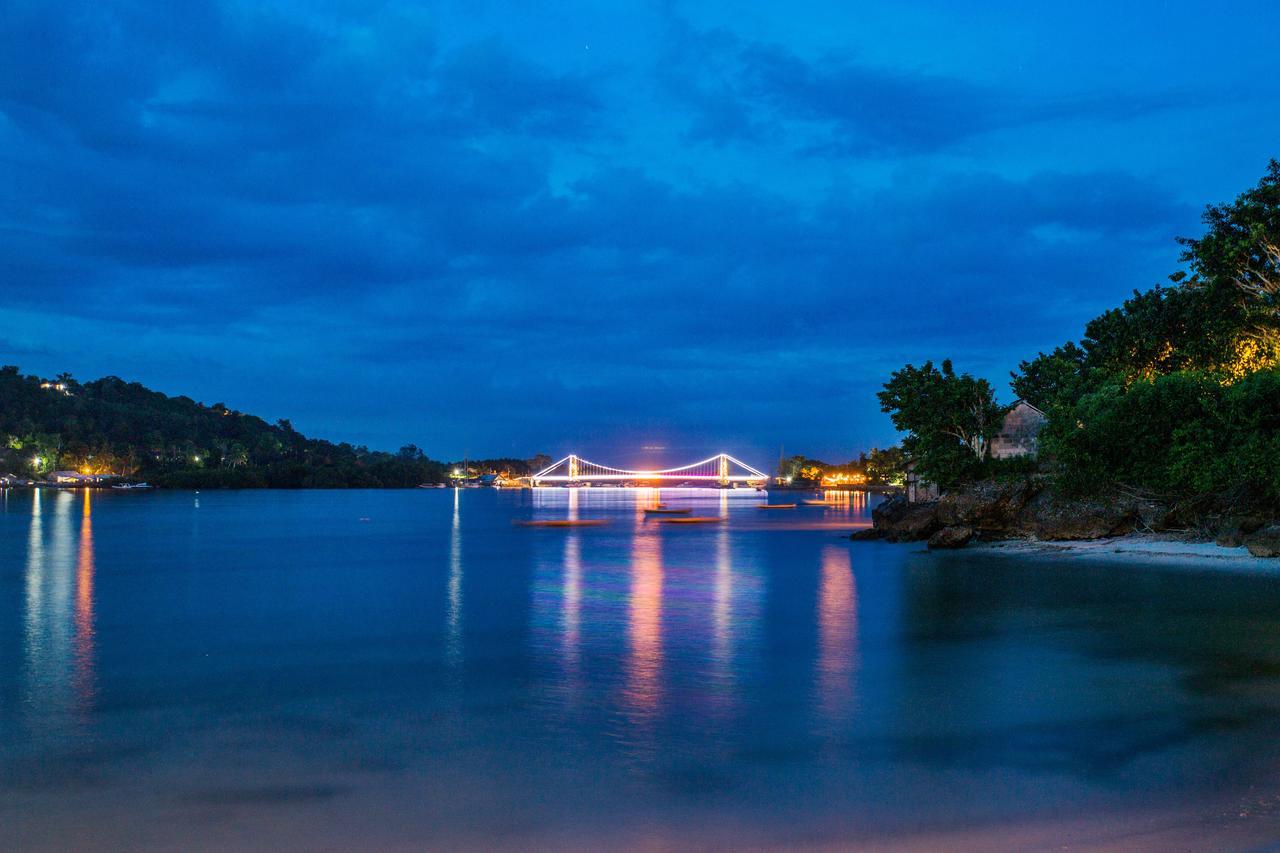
(1031, 509)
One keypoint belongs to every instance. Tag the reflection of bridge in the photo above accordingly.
(721, 469)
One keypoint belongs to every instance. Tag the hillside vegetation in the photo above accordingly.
(110, 426)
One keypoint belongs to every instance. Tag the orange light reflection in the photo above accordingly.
(643, 690)
(84, 677)
(837, 632)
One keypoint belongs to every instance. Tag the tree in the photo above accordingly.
(949, 419)
(1051, 379)
(1242, 243)
(885, 467)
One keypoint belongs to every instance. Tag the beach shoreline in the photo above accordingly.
(1137, 547)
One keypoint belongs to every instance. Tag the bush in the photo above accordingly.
(1181, 435)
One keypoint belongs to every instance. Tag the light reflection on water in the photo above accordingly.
(466, 675)
(454, 631)
(642, 695)
(837, 633)
(85, 681)
(55, 668)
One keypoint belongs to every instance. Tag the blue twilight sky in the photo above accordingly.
(505, 228)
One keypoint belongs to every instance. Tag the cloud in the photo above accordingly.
(359, 218)
(744, 90)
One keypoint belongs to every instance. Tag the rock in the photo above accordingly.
(1230, 539)
(918, 522)
(1054, 519)
(992, 507)
(1264, 542)
(887, 513)
(866, 534)
(1237, 530)
(898, 521)
(954, 536)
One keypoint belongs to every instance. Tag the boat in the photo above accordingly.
(131, 486)
(564, 522)
(693, 519)
(776, 506)
(663, 510)
(817, 503)
(431, 485)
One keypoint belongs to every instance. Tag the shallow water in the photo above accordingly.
(382, 669)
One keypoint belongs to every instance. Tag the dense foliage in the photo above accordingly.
(1175, 393)
(1178, 391)
(110, 426)
(949, 419)
(1182, 435)
(877, 467)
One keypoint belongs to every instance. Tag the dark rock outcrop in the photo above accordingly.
(990, 507)
(1235, 531)
(1053, 519)
(954, 536)
(1264, 542)
(996, 509)
(1032, 508)
(899, 521)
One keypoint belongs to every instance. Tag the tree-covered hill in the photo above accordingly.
(110, 426)
(1174, 395)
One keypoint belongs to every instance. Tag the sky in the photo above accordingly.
(639, 231)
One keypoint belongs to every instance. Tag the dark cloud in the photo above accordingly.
(392, 227)
(743, 90)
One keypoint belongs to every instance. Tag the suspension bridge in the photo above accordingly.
(721, 469)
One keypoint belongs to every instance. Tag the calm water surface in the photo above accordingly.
(381, 669)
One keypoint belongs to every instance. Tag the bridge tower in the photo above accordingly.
(724, 469)
(573, 468)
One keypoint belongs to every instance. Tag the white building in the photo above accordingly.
(72, 478)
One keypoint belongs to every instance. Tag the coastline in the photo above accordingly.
(1137, 548)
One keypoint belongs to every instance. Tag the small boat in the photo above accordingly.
(663, 510)
(431, 485)
(776, 506)
(818, 503)
(693, 519)
(564, 522)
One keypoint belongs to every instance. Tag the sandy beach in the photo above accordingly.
(1166, 550)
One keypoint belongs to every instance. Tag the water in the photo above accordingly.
(393, 669)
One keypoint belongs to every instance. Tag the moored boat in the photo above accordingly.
(776, 506)
(563, 522)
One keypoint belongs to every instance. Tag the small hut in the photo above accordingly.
(1020, 434)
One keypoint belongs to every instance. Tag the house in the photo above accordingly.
(1020, 434)
(1019, 437)
(72, 478)
(919, 489)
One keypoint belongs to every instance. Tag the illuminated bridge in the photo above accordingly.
(721, 469)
